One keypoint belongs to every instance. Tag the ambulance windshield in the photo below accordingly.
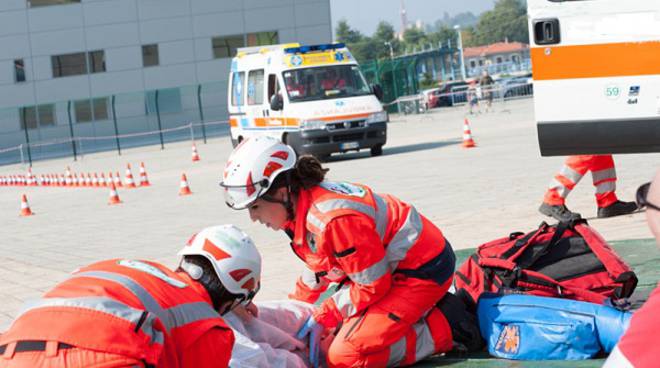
(325, 82)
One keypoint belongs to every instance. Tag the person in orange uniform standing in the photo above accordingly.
(392, 265)
(130, 313)
(604, 179)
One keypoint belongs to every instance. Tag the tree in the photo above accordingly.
(413, 38)
(508, 20)
(346, 34)
(385, 34)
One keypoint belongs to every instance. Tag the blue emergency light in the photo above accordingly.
(313, 48)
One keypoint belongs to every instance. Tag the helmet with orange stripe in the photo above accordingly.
(252, 168)
(225, 260)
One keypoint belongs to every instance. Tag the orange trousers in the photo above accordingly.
(65, 358)
(400, 329)
(603, 174)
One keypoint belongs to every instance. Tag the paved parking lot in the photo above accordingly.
(473, 195)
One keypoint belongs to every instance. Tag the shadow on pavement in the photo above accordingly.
(387, 151)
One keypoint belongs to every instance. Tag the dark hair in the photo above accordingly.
(307, 173)
(218, 293)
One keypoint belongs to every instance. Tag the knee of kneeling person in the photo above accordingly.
(341, 353)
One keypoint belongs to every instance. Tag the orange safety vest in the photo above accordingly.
(138, 309)
(413, 245)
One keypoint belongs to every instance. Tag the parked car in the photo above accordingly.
(517, 86)
(429, 99)
(443, 97)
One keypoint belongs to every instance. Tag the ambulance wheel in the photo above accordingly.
(235, 142)
(377, 151)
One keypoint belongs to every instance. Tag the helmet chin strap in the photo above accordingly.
(287, 202)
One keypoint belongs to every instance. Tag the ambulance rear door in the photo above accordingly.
(596, 70)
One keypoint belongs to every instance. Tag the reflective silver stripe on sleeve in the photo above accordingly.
(570, 174)
(172, 317)
(601, 175)
(397, 352)
(617, 360)
(342, 299)
(104, 305)
(425, 346)
(315, 221)
(309, 279)
(605, 187)
(369, 275)
(560, 188)
(381, 216)
(404, 239)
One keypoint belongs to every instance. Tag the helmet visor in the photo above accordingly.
(240, 197)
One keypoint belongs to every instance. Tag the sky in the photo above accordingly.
(365, 14)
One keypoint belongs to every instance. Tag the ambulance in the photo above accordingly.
(596, 71)
(313, 98)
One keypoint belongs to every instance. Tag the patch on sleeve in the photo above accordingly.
(509, 340)
(344, 188)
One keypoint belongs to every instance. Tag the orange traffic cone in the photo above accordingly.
(128, 180)
(468, 142)
(88, 180)
(144, 181)
(117, 180)
(103, 182)
(114, 197)
(195, 155)
(25, 207)
(95, 180)
(185, 189)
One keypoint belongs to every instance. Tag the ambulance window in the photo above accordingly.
(273, 86)
(256, 87)
(237, 86)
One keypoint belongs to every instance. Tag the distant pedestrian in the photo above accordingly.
(486, 84)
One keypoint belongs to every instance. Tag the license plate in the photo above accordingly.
(349, 145)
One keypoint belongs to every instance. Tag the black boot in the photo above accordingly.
(617, 208)
(464, 324)
(559, 212)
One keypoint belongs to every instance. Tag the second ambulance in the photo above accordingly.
(313, 98)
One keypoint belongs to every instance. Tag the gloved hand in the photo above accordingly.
(314, 330)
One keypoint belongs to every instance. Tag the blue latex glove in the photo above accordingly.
(314, 330)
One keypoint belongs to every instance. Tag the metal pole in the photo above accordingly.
(114, 120)
(20, 148)
(160, 128)
(73, 140)
(460, 50)
(27, 137)
(201, 111)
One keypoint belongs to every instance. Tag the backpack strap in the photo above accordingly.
(559, 231)
(522, 243)
(560, 290)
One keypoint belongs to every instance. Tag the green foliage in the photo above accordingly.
(508, 20)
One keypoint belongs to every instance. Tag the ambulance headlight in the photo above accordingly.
(378, 117)
(312, 125)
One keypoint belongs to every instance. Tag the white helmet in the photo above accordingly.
(252, 168)
(234, 257)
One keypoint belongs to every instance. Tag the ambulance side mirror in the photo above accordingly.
(276, 102)
(377, 90)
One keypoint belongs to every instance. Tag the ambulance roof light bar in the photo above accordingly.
(313, 48)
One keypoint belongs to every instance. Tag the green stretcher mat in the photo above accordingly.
(641, 254)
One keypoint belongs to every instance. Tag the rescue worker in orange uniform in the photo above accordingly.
(392, 265)
(130, 313)
(603, 174)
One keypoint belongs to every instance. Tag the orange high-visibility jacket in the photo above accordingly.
(138, 309)
(345, 232)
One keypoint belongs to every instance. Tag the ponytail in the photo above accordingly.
(307, 173)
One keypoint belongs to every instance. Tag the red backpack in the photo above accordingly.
(567, 260)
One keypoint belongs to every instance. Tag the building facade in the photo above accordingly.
(92, 68)
(497, 58)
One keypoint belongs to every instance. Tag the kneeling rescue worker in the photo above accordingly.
(129, 313)
(392, 264)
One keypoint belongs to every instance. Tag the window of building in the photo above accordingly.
(36, 3)
(19, 70)
(225, 46)
(91, 110)
(150, 55)
(78, 63)
(40, 115)
(169, 101)
(237, 88)
(498, 60)
(96, 61)
(262, 38)
(256, 87)
(473, 64)
(515, 59)
(69, 64)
